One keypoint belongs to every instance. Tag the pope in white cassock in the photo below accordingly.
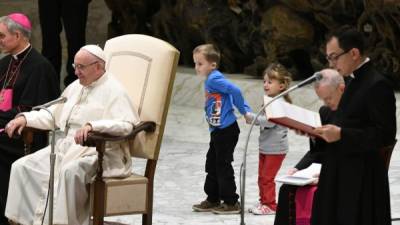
(95, 102)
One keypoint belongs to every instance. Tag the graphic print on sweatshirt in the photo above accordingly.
(214, 115)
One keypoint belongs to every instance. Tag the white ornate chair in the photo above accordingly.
(146, 67)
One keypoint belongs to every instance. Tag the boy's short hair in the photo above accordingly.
(210, 52)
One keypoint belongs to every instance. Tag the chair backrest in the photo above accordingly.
(146, 67)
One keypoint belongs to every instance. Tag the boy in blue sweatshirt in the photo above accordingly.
(221, 96)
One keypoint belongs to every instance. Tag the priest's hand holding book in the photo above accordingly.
(330, 133)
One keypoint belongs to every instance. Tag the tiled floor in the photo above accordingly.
(180, 171)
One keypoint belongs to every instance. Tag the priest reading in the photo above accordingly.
(26, 79)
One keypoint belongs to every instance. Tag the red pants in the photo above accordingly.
(268, 167)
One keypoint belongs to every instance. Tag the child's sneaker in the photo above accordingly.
(227, 209)
(205, 206)
(254, 207)
(263, 210)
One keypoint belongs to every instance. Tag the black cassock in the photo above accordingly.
(353, 187)
(286, 209)
(34, 82)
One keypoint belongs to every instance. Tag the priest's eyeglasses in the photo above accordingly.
(82, 67)
(334, 58)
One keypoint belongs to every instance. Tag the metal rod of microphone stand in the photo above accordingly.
(52, 164)
(243, 165)
(51, 181)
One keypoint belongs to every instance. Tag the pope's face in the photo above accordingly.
(86, 68)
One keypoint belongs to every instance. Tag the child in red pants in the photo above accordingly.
(273, 141)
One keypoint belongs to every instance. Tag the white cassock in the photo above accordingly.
(106, 106)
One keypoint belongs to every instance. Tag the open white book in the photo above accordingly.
(301, 177)
(292, 116)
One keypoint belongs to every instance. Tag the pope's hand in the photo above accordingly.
(16, 124)
(81, 134)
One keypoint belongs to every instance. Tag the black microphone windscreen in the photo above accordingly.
(316, 76)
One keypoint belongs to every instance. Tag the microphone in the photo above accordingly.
(61, 99)
(50, 194)
(315, 77)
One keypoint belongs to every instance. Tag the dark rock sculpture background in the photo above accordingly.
(253, 33)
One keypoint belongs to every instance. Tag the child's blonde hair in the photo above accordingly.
(210, 52)
(277, 71)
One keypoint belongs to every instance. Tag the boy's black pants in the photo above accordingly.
(220, 179)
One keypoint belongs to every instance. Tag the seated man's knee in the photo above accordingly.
(78, 169)
(70, 170)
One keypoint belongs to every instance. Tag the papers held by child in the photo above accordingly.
(302, 177)
(292, 116)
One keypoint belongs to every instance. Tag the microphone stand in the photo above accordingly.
(243, 165)
(52, 165)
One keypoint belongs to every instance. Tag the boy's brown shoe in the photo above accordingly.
(227, 209)
(205, 206)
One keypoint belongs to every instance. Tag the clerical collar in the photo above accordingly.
(22, 53)
(359, 66)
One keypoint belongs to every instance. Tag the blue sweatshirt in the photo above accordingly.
(221, 95)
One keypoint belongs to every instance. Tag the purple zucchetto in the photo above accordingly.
(21, 19)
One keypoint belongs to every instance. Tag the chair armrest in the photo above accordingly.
(95, 137)
(27, 134)
(33, 130)
(98, 140)
(27, 137)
